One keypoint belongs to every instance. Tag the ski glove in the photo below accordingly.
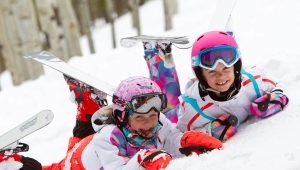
(224, 127)
(153, 159)
(198, 142)
(87, 98)
(269, 104)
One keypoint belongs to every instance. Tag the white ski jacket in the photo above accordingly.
(109, 150)
(191, 119)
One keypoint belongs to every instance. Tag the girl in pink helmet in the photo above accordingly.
(133, 134)
(223, 94)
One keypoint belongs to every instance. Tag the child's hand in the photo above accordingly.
(268, 104)
(224, 127)
(153, 159)
(198, 142)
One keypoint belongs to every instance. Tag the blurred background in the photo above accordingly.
(28, 26)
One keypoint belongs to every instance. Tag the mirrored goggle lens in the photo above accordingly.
(209, 59)
(144, 103)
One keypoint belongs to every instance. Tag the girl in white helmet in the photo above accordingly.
(133, 134)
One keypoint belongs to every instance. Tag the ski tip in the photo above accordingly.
(49, 115)
(127, 43)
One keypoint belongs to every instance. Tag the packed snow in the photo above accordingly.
(268, 34)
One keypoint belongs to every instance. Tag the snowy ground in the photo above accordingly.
(267, 31)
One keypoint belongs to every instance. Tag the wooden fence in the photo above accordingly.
(28, 26)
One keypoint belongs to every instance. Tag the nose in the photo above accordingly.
(148, 125)
(219, 74)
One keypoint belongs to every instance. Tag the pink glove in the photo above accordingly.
(153, 159)
(224, 127)
(198, 142)
(269, 104)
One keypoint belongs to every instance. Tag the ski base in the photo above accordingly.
(182, 42)
(31, 125)
(50, 60)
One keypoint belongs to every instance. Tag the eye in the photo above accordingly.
(153, 116)
(138, 117)
(211, 71)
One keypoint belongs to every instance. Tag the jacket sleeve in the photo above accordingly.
(267, 82)
(108, 151)
(171, 136)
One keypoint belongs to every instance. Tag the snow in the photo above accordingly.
(267, 32)
(10, 164)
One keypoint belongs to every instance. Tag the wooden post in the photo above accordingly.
(168, 14)
(84, 16)
(54, 40)
(111, 15)
(134, 7)
(2, 65)
(70, 27)
(175, 7)
(19, 35)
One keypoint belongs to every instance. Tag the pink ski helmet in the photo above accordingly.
(212, 39)
(127, 89)
(209, 40)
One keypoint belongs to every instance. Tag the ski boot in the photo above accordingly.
(162, 49)
(88, 100)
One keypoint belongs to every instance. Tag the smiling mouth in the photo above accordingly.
(146, 133)
(222, 83)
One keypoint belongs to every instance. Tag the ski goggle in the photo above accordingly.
(146, 102)
(209, 58)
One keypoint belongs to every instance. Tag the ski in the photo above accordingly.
(182, 42)
(221, 19)
(50, 60)
(9, 140)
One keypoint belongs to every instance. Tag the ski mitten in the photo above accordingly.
(269, 104)
(224, 127)
(153, 159)
(198, 142)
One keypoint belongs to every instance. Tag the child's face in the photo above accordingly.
(143, 123)
(221, 78)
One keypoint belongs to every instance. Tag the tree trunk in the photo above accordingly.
(175, 7)
(111, 17)
(19, 35)
(70, 27)
(168, 14)
(2, 65)
(53, 36)
(83, 11)
(134, 7)
(97, 9)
